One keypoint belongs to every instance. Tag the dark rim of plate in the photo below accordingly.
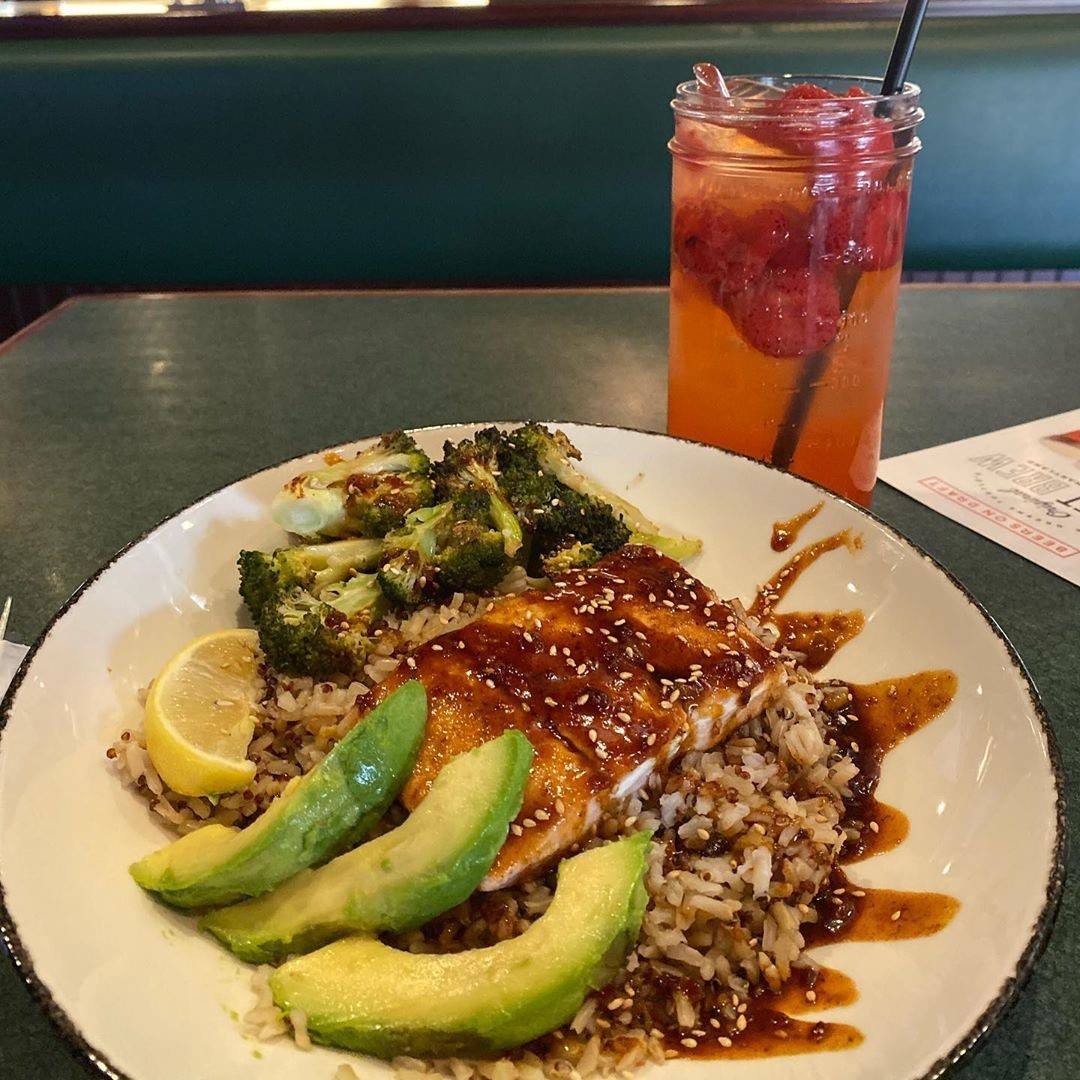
(1006, 996)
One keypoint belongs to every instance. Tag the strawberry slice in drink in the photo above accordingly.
(788, 312)
(703, 237)
(883, 233)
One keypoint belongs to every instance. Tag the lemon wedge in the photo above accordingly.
(200, 714)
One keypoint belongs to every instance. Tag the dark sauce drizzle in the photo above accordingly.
(785, 533)
(870, 720)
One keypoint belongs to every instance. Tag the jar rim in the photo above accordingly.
(693, 100)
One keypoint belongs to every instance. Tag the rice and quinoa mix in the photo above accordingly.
(745, 837)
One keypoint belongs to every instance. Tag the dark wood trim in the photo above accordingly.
(509, 13)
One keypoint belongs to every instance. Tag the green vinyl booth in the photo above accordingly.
(481, 155)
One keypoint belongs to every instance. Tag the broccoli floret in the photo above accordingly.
(362, 496)
(572, 557)
(473, 464)
(410, 568)
(446, 548)
(537, 458)
(265, 577)
(473, 558)
(324, 635)
(570, 518)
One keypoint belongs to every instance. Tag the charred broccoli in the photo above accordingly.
(453, 546)
(313, 615)
(322, 635)
(572, 557)
(264, 577)
(539, 477)
(473, 465)
(362, 496)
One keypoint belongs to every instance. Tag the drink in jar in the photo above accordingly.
(789, 205)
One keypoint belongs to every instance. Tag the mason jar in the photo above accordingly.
(789, 206)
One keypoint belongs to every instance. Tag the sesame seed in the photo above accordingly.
(624, 717)
(651, 739)
(517, 830)
(895, 916)
(713, 1022)
(411, 661)
(630, 822)
(581, 668)
(625, 675)
(650, 668)
(553, 651)
(583, 699)
(542, 815)
(550, 702)
(527, 636)
(665, 704)
(436, 648)
(592, 735)
(875, 827)
(703, 834)
(740, 1023)
(811, 996)
(725, 1042)
(529, 823)
(560, 807)
(489, 683)
(689, 1043)
(619, 622)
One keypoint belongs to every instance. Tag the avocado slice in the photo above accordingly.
(363, 995)
(401, 879)
(334, 806)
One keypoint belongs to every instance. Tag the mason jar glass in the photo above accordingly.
(789, 206)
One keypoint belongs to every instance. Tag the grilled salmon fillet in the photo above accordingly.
(609, 671)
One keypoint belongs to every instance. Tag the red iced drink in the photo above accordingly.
(790, 201)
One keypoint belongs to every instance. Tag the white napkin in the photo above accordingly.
(10, 658)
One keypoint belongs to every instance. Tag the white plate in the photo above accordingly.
(145, 997)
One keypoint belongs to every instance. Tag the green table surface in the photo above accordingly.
(116, 412)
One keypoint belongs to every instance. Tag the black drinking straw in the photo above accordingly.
(791, 426)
